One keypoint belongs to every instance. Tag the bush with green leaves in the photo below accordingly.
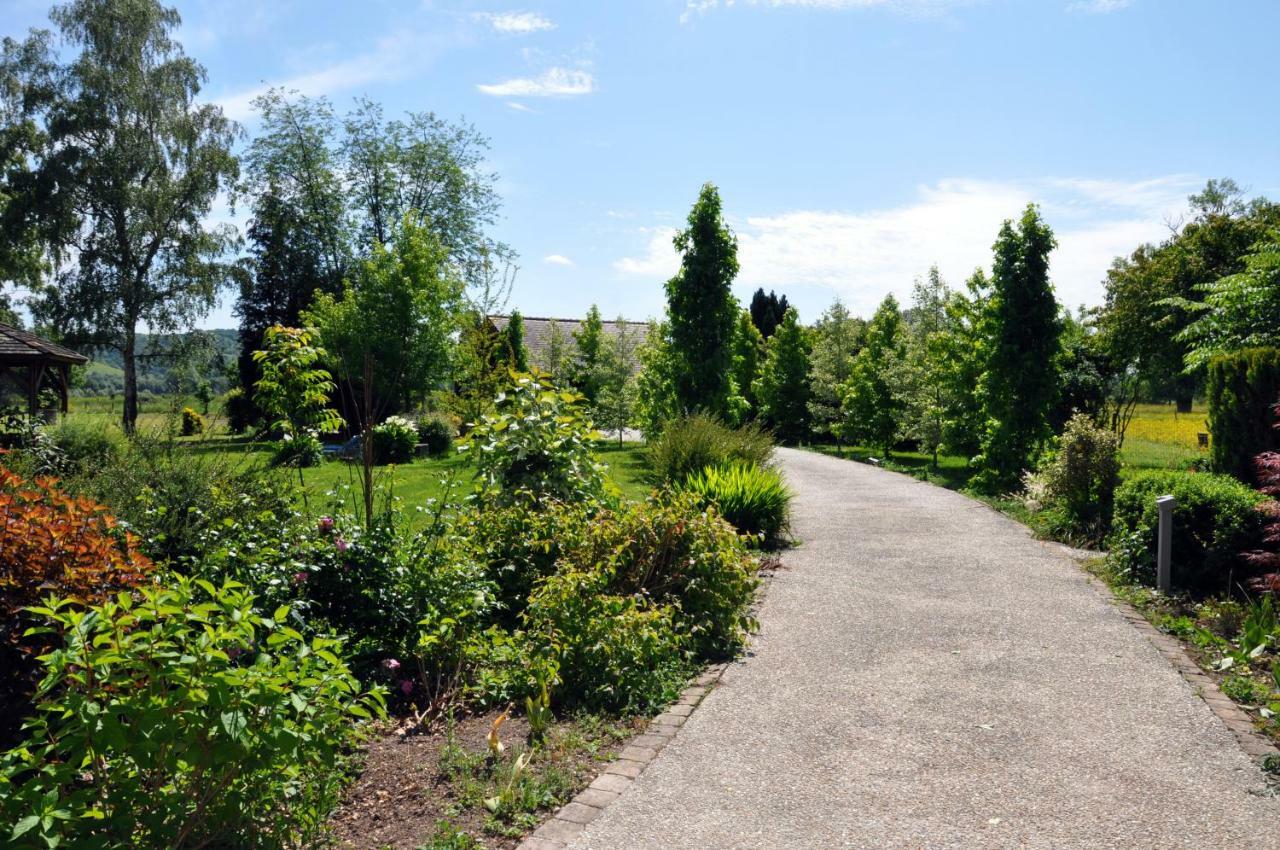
(753, 498)
(1081, 476)
(394, 440)
(183, 718)
(536, 445)
(436, 431)
(693, 443)
(1242, 388)
(1215, 520)
(192, 422)
(86, 446)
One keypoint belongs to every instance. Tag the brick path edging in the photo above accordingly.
(565, 824)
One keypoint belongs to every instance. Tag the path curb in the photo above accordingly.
(563, 827)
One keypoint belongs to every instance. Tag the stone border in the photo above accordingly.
(564, 826)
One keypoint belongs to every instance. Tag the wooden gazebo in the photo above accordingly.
(30, 362)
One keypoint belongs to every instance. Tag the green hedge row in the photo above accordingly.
(1242, 388)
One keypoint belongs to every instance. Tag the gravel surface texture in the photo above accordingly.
(928, 675)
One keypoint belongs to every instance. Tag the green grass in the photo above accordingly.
(1159, 437)
(953, 471)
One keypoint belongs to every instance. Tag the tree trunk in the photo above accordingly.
(129, 419)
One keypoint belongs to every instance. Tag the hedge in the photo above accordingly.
(1242, 388)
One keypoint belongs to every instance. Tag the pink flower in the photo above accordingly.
(406, 687)
(299, 577)
(325, 525)
(391, 664)
(235, 652)
(341, 544)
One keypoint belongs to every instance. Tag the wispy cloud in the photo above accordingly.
(865, 255)
(554, 82)
(1097, 7)
(520, 23)
(557, 260)
(518, 107)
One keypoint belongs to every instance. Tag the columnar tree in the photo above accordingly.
(767, 311)
(701, 309)
(783, 386)
(655, 390)
(589, 345)
(922, 376)
(1022, 327)
(517, 355)
(615, 402)
(127, 172)
(556, 354)
(748, 352)
(871, 409)
(836, 339)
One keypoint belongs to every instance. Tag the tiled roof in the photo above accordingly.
(20, 347)
(537, 333)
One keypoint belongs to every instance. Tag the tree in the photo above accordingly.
(128, 170)
(294, 388)
(871, 409)
(767, 311)
(1239, 311)
(655, 384)
(701, 310)
(616, 400)
(588, 340)
(1022, 328)
(783, 386)
(836, 339)
(556, 354)
(390, 332)
(517, 356)
(922, 377)
(748, 351)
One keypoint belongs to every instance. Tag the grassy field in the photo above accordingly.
(1161, 438)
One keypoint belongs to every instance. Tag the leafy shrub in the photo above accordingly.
(536, 445)
(696, 442)
(394, 440)
(192, 422)
(247, 726)
(1216, 518)
(85, 446)
(242, 413)
(615, 652)
(299, 452)
(1080, 478)
(437, 431)
(754, 498)
(1241, 388)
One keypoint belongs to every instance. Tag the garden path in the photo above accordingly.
(928, 675)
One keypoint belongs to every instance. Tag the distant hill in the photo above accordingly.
(167, 363)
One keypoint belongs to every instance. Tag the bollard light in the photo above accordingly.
(1164, 551)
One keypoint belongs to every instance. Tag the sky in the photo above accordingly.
(854, 142)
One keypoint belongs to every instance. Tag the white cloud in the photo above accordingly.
(554, 82)
(1097, 7)
(557, 260)
(865, 255)
(518, 107)
(520, 23)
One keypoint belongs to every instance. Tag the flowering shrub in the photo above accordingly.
(436, 431)
(394, 440)
(247, 726)
(192, 422)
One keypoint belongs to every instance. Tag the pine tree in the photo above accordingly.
(783, 386)
(513, 343)
(1022, 329)
(701, 309)
(767, 311)
(871, 411)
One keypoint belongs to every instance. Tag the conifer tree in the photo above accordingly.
(871, 411)
(783, 385)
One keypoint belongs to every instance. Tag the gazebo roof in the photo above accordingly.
(20, 348)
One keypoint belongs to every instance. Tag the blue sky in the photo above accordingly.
(855, 142)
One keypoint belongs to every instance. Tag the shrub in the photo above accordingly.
(693, 443)
(86, 447)
(242, 414)
(192, 422)
(536, 445)
(247, 727)
(436, 431)
(300, 451)
(753, 498)
(1216, 518)
(394, 440)
(616, 652)
(1080, 478)
(1241, 388)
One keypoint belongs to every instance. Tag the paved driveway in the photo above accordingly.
(928, 675)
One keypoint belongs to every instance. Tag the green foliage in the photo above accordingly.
(767, 311)
(299, 452)
(783, 387)
(922, 376)
(394, 440)
(748, 352)
(517, 355)
(86, 446)
(1242, 388)
(615, 385)
(192, 422)
(589, 353)
(701, 309)
(437, 432)
(1019, 385)
(1240, 310)
(294, 390)
(536, 445)
(655, 385)
(871, 410)
(836, 339)
(754, 498)
(247, 727)
(695, 442)
(1082, 476)
(1215, 520)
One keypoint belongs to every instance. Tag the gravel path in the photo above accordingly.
(928, 675)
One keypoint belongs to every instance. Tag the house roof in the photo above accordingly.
(22, 348)
(538, 330)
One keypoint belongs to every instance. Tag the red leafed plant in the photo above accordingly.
(1266, 474)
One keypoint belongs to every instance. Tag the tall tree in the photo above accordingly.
(655, 385)
(1020, 384)
(556, 354)
(783, 385)
(589, 345)
(922, 383)
(767, 311)
(701, 309)
(129, 169)
(961, 358)
(871, 411)
(616, 399)
(748, 352)
(836, 339)
(1241, 310)
(517, 355)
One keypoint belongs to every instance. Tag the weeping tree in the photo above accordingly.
(123, 167)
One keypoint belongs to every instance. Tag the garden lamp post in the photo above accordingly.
(1164, 554)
